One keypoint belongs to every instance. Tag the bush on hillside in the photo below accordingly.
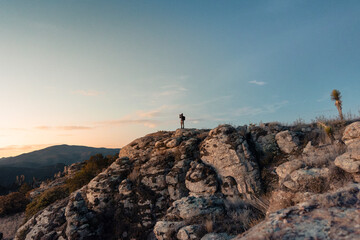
(25, 188)
(92, 167)
(45, 199)
(12, 203)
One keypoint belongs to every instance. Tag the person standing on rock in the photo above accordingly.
(182, 120)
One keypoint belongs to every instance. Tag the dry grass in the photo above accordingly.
(209, 225)
(323, 156)
(337, 177)
(280, 199)
(134, 175)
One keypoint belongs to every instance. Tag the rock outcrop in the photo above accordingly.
(350, 160)
(334, 215)
(229, 152)
(213, 184)
(287, 141)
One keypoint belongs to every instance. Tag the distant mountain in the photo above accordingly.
(46, 162)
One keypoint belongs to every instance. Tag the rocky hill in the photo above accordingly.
(257, 182)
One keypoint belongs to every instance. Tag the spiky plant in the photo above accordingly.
(336, 96)
(328, 130)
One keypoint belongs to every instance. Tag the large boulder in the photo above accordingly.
(230, 154)
(191, 208)
(201, 179)
(351, 132)
(347, 163)
(350, 160)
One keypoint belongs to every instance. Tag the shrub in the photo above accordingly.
(12, 203)
(25, 188)
(92, 167)
(336, 96)
(45, 199)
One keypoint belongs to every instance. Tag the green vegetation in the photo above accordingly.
(45, 199)
(92, 167)
(336, 96)
(25, 188)
(13, 203)
(328, 130)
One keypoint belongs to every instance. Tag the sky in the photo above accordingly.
(103, 73)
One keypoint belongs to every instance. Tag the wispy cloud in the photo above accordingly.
(66, 128)
(88, 93)
(196, 120)
(324, 98)
(148, 114)
(213, 100)
(251, 111)
(259, 83)
(149, 118)
(172, 90)
(183, 77)
(146, 122)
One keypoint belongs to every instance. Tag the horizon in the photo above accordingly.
(102, 74)
(51, 146)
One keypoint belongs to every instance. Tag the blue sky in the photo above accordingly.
(101, 73)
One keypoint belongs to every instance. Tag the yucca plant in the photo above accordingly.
(336, 96)
(328, 130)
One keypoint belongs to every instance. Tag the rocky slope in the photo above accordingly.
(279, 182)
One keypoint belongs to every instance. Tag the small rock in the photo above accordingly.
(173, 142)
(191, 232)
(348, 164)
(287, 141)
(216, 236)
(166, 230)
(288, 167)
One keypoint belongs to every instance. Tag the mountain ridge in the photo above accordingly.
(44, 163)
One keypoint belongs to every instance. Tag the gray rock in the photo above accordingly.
(351, 133)
(288, 167)
(287, 141)
(194, 207)
(201, 179)
(217, 236)
(325, 216)
(191, 232)
(165, 230)
(229, 153)
(174, 142)
(347, 163)
(42, 223)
